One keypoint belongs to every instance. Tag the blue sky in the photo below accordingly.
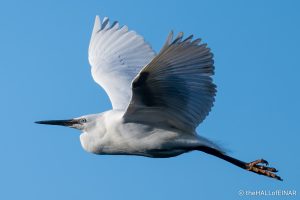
(45, 74)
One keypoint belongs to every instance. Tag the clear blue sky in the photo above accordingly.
(45, 74)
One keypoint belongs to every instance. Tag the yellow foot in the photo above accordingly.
(260, 167)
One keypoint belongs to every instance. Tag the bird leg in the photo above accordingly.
(258, 166)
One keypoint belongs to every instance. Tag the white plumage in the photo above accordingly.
(157, 100)
(116, 56)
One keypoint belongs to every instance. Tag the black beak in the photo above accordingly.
(68, 122)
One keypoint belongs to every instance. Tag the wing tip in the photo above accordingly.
(104, 24)
(180, 39)
(97, 25)
(97, 18)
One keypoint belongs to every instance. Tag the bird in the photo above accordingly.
(158, 99)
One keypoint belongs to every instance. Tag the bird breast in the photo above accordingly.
(131, 138)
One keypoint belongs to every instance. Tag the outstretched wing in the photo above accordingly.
(116, 56)
(176, 86)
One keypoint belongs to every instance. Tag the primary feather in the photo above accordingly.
(176, 87)
(116, 56)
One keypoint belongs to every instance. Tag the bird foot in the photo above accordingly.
(261, 167)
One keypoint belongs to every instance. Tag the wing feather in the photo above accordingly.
(176, 87)
(116, 56)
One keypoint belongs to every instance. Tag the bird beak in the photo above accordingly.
(68, 122)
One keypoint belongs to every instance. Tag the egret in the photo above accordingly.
(157, 100)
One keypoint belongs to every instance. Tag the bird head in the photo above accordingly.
(81, 123)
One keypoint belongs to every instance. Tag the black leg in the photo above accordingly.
(254, 166)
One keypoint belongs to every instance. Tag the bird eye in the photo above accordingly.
(83, 120)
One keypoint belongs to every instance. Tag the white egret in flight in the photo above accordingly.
(158, 100)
